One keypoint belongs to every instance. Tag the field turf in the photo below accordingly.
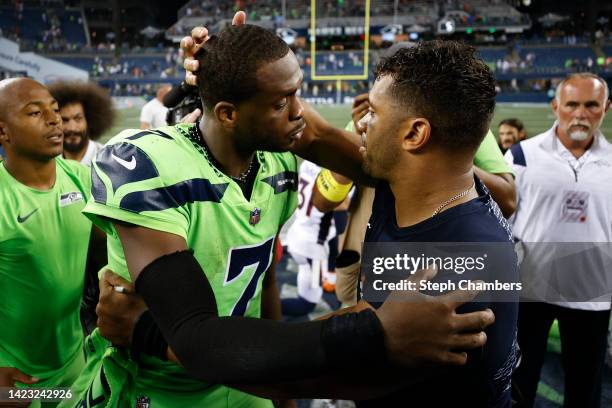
(536, 117)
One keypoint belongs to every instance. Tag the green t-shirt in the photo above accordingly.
(43, 250)
(161, 179)
(488, 156)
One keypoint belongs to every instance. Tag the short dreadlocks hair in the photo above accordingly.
(96, 101)
(447, 84)
(229, 62)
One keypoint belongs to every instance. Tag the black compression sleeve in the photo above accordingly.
(148, 339)
(249, 351)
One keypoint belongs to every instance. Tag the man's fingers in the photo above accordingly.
(24, 378)
(191, 64)
(468, 341)
(187, 44)
(424, 274)
(239, 18)
(191, 79)
(359, 112)
(191, 47)
(104, 283)
(117, 281)
(359, 99)
(199, 34)
(413, 294)
(360, 108)
(475, 321)
(455, 358)
(191, 117)
(458, 297)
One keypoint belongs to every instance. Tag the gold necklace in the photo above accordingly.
(454, 198)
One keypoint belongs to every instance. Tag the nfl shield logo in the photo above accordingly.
(255, 215)
(143, 402)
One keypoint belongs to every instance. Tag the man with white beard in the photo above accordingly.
(564, 186)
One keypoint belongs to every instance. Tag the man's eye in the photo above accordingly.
(34, 113)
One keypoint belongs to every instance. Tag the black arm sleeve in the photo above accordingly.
(245, 351)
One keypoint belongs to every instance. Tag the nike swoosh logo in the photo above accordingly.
(21, 219)
(130, 165)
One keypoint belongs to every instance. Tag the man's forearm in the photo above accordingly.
(249, 351)
(324, 204)
(331, 148)
(270, 295)
(502, 189)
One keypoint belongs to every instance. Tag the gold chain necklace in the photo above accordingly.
(454, 198)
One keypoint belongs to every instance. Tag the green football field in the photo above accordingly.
(537, 117)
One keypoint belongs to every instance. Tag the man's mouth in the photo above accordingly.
(56, 136)
(297, 134)
(586, 128)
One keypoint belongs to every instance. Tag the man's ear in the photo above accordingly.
(554, 104)
(415, 133)
(226, 113)
(4, 136)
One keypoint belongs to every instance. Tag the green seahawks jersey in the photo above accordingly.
(43, 250)
(161, 179)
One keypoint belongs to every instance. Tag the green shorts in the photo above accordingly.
(111, 379)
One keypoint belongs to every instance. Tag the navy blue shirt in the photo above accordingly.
(485, 380)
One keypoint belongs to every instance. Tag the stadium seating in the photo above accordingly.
(72, 27)
(35, 24)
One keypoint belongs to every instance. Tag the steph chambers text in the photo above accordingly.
(464, 284)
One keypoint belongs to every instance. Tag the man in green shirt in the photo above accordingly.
(43, 242)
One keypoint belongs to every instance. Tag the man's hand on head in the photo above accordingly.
(422, 329)
(118, 309)
(191, 46)
(191, 117)
(361, 105)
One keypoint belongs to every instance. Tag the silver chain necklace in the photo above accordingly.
(454, 198)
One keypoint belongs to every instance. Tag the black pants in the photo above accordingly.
(583, 347)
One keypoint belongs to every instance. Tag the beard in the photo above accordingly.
(75, 142)
(578, 135)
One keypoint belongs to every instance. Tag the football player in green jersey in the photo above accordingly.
(192, 211)
(43, 242)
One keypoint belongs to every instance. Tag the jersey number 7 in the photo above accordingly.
(242, 259)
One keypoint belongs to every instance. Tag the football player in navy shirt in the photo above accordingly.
(430, 108)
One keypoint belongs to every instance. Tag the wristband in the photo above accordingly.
(329, 187)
